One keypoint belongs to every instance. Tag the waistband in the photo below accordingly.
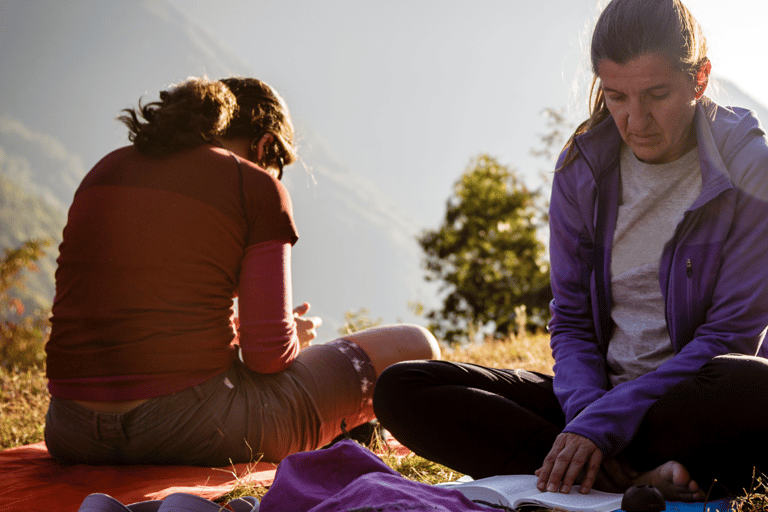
(114, 426)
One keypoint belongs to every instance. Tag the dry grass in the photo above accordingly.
(23, 403)
(756, 499)
(242, 487)
(529, 352)
(411, 466)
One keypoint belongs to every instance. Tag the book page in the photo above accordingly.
(497, 490)
(515, 490)
(595, 501)
(509, 485)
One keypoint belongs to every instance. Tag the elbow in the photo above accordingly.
(263, 353)
(271, 360)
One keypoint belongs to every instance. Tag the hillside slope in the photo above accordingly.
(24, 216)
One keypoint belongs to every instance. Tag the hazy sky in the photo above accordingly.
(422, 86)
(736, 29)
(737, 32)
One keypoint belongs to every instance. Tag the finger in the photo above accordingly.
(549, 461)
(308, 322)
(593, 466)
(305, 324)
(560, 468)
(306, 335)
(574, 468)
(301, 310)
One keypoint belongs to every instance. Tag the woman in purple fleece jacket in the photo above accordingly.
(659, 249)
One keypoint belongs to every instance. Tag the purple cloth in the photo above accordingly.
(383, 492)
(346, 477)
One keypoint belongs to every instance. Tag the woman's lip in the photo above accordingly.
(644, 139)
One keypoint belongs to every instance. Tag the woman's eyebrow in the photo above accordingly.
(648, 89)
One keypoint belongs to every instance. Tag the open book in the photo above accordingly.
(518, 490)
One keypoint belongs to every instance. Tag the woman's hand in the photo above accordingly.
(306, 326)
(571, 455)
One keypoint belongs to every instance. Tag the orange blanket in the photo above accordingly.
(31, 480)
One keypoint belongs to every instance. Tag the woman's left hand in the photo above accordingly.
(571, 455)
(306, 326)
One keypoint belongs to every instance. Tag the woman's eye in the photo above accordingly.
(659, 96)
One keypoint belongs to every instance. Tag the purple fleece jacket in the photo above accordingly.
(713, 276)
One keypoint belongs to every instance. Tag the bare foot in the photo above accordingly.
(674, 481)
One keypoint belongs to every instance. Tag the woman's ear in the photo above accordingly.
(263, 147)
(702, 78)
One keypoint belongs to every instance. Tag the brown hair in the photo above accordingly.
(197, 110)
(261, 110)
(627, 29)
(187, 115)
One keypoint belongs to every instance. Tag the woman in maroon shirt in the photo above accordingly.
(147, 363)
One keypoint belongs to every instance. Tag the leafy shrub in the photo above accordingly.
(22, 335)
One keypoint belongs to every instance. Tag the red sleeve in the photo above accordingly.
(268, 207)
(267, 330)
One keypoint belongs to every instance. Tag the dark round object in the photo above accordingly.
(643, 498)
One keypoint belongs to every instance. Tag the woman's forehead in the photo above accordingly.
(643, 72)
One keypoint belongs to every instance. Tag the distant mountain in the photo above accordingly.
(75, 65)
(24, 216)
(726, 92)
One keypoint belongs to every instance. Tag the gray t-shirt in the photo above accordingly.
(653, 201)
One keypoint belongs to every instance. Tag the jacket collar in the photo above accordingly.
(600, 147)
(715, 177)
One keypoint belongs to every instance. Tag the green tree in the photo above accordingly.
(22, 335)
(487, 256)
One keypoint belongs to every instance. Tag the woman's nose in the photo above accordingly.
(638, 115)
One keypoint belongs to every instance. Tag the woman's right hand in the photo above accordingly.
(571, 456)
(306, 326)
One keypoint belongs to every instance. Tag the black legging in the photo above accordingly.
(484, 421)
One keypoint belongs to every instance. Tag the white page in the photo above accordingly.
(514, 490)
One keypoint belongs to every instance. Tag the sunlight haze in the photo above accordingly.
(391, 101)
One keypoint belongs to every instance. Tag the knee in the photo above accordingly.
(419, 342)
(405, 379)
(737, 375)
(387, 345)
(405, 393)
(393, 387)
(393, 377)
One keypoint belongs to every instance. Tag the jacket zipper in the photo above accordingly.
(689, 286)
